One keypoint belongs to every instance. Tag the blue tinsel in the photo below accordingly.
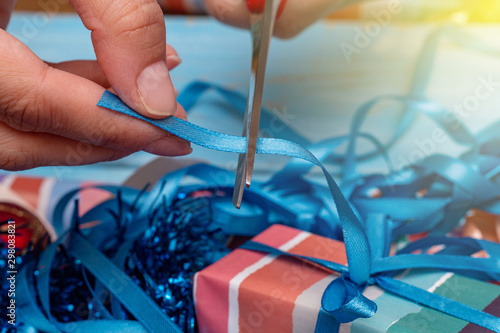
(178, 242)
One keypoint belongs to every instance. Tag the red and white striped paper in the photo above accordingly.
(248, 291)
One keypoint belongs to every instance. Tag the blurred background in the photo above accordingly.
(414, 10)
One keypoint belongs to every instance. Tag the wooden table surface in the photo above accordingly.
(30, 5)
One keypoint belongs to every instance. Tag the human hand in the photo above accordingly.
(48, 112)
(296, 16)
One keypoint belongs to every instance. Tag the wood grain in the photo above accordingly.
(44, 5)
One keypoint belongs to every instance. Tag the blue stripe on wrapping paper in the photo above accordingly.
(398, 307)
(393, 308)
(467, 291)
(381, 320)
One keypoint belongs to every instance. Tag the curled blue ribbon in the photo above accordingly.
(453, 186)
(348, 211)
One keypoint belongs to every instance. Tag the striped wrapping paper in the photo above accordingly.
(40, 195)
(253, 292)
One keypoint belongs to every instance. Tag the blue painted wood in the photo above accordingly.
(309, 80)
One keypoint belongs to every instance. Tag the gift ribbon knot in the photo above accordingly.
(344, 300)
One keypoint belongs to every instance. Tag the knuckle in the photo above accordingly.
(107, 134)
(25, 110)
(13, 157)
(115, 132)
(134, 19)
(11, 163)
(109, 140)
(12, 100)
(21, 114)
(103, 134)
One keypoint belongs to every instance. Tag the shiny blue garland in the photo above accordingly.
(178, 240)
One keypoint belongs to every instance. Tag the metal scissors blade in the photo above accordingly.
(262, 30)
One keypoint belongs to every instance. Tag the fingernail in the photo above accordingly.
(169, 146)
(173, 61)
(156, 90)
(176, 91)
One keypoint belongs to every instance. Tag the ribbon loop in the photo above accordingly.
(344, 300)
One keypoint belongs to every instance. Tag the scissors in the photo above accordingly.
(262, 25)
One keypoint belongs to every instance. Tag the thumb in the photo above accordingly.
(129, 42)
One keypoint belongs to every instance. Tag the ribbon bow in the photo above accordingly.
(343, 301)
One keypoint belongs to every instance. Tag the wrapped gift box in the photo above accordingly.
(248, 291)
(40, 195)
(14, 206)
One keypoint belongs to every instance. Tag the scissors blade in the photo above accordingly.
(262, 30)
(239, 184)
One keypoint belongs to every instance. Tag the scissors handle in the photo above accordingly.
(257, 6)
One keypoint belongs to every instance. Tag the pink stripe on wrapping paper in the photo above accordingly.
(28, 188)
(90, 198)
(241, 294)
(260, 304)
(212, 284)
